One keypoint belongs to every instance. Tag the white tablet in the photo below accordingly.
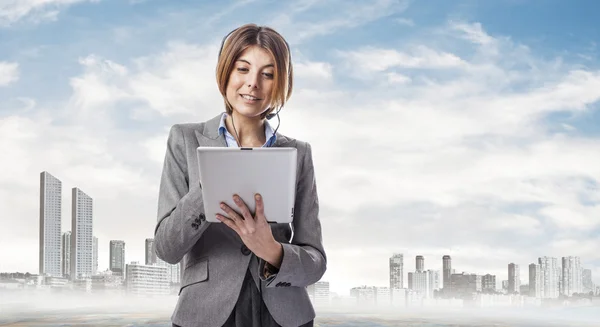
(225, 171)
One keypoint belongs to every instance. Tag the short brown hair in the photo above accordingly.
(267, 38)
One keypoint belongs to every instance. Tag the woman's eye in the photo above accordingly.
(268, 75)
(242, 69)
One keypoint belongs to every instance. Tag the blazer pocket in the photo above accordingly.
(194, 273)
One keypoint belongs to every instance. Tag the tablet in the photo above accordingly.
(225, 171)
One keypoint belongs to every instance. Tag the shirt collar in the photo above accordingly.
(269, 132)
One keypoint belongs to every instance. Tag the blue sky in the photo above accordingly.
(468, 128)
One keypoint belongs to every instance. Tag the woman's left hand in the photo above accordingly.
(255, 231)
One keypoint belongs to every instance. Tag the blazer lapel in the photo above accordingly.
(209, 135)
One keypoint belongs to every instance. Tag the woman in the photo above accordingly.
(243, 271)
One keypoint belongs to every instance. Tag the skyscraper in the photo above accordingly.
(81, 235)
(586, 281)
(447, 271)
(571, 276)
(50, 225)
(488, 283)
(150, 254)
(434, 279)
(514, 279)
(117, 257)
(550, 276)
(95, 255)
(536, 281)
(66, 254)
(397, 271)
(420, 263)
(420, 282)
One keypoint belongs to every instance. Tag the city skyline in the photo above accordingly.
(570, 273)
(468, 128)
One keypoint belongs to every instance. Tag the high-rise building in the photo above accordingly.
(117, 257)
(550, 276)
(571, 276)
(146, 280)
(174, 272)
(434, 279)
(419, 281)
(586, 281)
(536, 281)
(464, 285)
(50, 225)
(95, 255)
(447, 271)
(319, 293)
(397, 271)
(420, 263)
(150, 253)
(514, 279)
(82, 248)
(66, 254)
(488, 283)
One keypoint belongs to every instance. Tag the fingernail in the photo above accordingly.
(257, 196)
(222, 206)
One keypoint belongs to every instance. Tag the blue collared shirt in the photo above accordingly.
(231, 142)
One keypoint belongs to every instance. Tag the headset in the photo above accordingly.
(271, 115)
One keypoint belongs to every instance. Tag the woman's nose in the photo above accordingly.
(252, 81)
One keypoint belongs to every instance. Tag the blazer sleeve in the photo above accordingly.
(304, 260)
(181, 220)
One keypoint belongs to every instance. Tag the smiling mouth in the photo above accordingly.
(249, 97)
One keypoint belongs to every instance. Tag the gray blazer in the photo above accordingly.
(215, 259)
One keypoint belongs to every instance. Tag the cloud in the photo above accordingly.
(370, 59)
(331, 17)
(440, 145)
(9, 72)
(12, 11)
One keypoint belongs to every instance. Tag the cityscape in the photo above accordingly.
(68, 264)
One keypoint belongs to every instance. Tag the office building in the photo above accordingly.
(447, 271)
(319, 293)
(464, 285)
(419, 281)
(95, 255)
(550, 276)
(146, 280)
(514, 279)
(586, 281)
(82, 247)
(150, 253)
(434, 279)
(66, 254)
(397, 271)
(420, 263)
(536, 281)
(571, 276)
(488, 283)
(50, 225)
(117, 257)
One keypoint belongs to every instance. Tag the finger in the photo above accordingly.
(228, 222)
(243, 207)
(233, 215)
(260, 207)
(243, 226)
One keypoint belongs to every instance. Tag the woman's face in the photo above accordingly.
(251, 81)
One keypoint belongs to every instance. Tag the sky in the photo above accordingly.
(465, 128)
